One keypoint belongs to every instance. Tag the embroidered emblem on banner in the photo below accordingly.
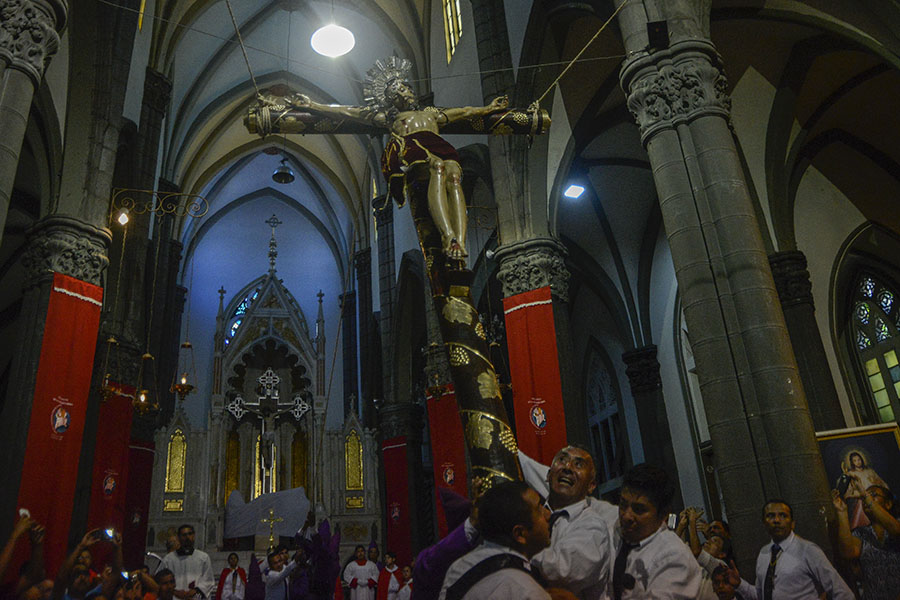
(537, 414)
(448, 474)
(395, 512)
(60, 417)
(109, 483)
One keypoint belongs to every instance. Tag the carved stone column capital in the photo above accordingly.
(642, 369)
(675, 86)
(401, 418)
(533, 264)
(791, 278)
(68, 246)
(157, 90)
(29, 34)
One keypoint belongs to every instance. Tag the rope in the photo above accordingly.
(237, 31)
(577, 56)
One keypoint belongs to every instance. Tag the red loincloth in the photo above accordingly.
(403, 152)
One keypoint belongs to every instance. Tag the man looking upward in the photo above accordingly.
(578, 556)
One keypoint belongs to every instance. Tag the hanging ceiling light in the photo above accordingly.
(283, 174)
(332, 40)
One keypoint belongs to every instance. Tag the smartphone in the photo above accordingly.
(24, 513)
(109, 533)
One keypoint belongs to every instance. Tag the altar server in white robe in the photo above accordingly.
(361, 575)
(192, 569)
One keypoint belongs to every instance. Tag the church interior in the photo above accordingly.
(207, 325)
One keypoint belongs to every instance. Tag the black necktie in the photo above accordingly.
(619, 569)
(769, 584)
(555, 517)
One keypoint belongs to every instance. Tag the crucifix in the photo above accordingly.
(421, 166)
(268, 406)
(271, 520)
(273, 222)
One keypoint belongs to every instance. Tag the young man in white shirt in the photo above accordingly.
(651, 561)
(192, 568)
(792, 568)
(277, 577)
(514, 524)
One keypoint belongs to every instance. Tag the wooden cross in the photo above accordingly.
(271, 520)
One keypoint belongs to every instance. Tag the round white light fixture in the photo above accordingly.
(332, 40)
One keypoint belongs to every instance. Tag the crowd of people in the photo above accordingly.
(547, 537)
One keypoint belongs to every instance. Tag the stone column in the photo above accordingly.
(55, 244)
(795, 293)
(348, 335)
(642, 369)
(387, 279)
(29, 37)
(535, 263)
(362, 261)
(761, 429)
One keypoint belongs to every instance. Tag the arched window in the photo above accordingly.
(604, 421)
(452, 26)
(875, 319)
(175, 462)
(353, 461)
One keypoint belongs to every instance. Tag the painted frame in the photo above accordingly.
(878, 462)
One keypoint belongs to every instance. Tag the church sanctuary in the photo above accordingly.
(280, 279)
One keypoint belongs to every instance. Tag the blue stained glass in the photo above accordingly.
(895, 373)
(234, 327)
(862, 313)
(881, 330)
(862, 341)
(867, 287)
(886, 300)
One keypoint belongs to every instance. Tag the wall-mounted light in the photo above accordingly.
(574, 191)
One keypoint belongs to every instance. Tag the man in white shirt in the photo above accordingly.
(792, 568)
(192, 569)
(651, 561)
(514, 524)
(276, 577)
(361, 575)
(579, 554)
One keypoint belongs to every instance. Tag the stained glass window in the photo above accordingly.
(175, 462)
(452, 26)
(875, 320)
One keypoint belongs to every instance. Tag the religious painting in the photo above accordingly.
(858, 458)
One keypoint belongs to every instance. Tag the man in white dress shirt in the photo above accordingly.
(578, 558)
(514, 524)
(651, 561)
(192, 569)
(276, 577)
(362, 576)
(792, 568)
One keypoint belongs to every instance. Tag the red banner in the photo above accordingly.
(448, 448)
(110, 476)
(137, 502)
(58, 410)
(534, 368)
(397, 484)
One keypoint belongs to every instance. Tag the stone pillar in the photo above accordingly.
(535, 263)
(795, 293)
(55, 244)
(362, 261)
(642, 369)
(348, 335)
(387, 279)
(761, 429)
(29, 37)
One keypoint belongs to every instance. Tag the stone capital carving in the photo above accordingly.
(642, 369)
(675, 86)
(68, 246)
(401, 418)
(157, 90)
(29, 34)
(533, 264)
(791, 278)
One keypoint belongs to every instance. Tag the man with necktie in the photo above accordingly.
(792, 568)
(651, 561)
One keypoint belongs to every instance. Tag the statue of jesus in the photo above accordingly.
(416, 151)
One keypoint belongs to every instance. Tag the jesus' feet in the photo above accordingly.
(454, 250)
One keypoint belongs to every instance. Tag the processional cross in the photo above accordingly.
(268, 407)
(421, 166)
(271, 520)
